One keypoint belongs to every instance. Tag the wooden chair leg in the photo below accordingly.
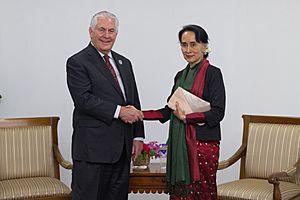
(276, 191)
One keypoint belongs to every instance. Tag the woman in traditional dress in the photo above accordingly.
(193, 149)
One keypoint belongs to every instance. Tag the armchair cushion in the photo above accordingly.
(271, 148)
(32, 187)
(255, 189)
(26, 152)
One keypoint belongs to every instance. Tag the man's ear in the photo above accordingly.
(91, 30)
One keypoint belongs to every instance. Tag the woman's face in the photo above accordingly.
(192, 50)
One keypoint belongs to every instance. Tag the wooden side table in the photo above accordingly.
(150, 180)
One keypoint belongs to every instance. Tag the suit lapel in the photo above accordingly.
(101, 66)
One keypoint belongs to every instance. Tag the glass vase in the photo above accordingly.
(141, 162)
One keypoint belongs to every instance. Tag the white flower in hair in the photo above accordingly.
(207, 50)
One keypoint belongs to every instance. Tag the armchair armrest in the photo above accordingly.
(64, 163)
(235, 157)
(275, 177)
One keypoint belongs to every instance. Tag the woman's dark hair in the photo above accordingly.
(200, 34)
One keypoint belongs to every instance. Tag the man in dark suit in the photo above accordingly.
(107, 124)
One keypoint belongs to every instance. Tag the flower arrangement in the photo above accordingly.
(151, 149)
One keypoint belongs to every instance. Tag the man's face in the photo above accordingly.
(104, 35)
(192, 50)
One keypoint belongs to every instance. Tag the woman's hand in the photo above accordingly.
(179, 113)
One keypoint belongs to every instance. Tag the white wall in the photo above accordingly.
(255, 43)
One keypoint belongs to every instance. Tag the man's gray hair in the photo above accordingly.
(104, 14)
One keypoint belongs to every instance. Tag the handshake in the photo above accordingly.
(129, 114)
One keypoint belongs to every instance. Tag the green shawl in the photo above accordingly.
(178, 172)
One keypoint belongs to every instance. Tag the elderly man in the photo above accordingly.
(107, 124)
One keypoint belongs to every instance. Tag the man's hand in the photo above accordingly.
(129, 114)
(179, 113)
(137, 149)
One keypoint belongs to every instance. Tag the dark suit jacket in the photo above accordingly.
(98, 136)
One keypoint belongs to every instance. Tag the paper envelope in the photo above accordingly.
(188, 102)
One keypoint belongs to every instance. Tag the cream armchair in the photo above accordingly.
(30, 158)
(269, 154)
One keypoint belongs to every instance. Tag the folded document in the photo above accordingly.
(188, 102)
